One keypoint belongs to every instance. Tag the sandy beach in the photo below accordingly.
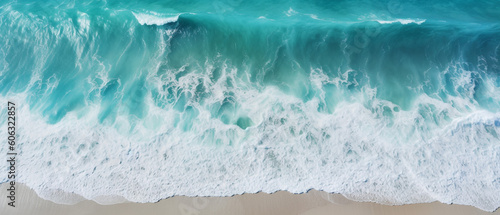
(313, 202)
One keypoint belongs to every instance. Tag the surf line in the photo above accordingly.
(11, 153)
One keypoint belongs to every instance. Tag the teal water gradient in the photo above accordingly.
(377, 83)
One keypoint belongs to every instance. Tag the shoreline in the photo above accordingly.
(280, 202)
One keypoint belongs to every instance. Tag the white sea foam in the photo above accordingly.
(402, 21)
(291, 12)
(155, 18)
(355, 150)
(435, 150)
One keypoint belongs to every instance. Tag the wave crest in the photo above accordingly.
(403, 21)
(155, 18)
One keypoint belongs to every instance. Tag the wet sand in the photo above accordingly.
(311, 203)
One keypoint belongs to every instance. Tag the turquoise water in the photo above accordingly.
(387, 101)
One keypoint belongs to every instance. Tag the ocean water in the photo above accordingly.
(394, 102)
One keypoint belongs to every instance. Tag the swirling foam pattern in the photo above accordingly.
(385, 101)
